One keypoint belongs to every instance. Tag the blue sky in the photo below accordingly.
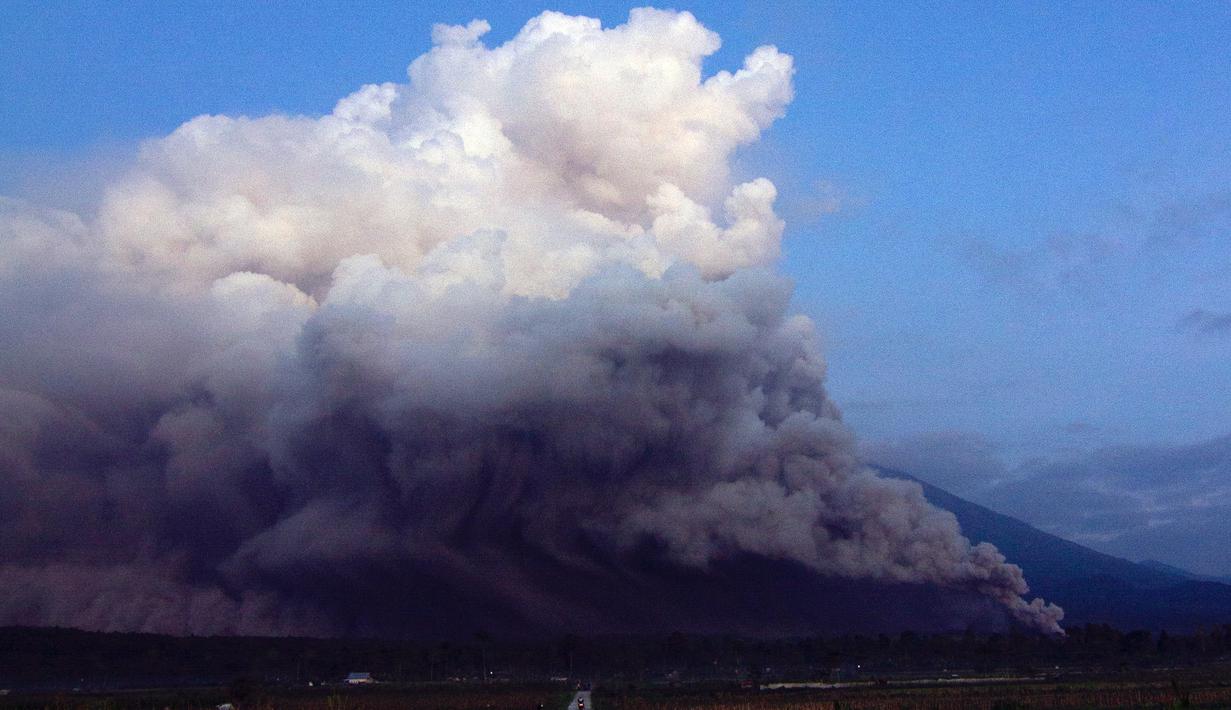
(1012, 221)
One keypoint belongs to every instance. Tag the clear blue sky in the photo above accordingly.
(1012, 221)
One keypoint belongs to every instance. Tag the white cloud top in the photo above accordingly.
(573, 146)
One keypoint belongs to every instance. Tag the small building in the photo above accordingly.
(359, 678)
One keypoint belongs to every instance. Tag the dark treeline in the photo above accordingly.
(56, 658)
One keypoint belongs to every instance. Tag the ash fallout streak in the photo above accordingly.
(509, 320)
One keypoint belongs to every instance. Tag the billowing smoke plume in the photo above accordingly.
(510, 316)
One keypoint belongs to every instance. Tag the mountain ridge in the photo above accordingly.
(1091, 586)
(1181, 572)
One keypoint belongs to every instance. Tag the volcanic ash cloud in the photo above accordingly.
(513, 308)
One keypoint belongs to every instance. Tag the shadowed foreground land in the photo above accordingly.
(1191, 688)
(378, 698)
(1093, 667)
(1205, 688)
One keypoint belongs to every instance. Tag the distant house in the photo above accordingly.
(359, 678)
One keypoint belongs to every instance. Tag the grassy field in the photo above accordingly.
(1208, 687)
(378, 698)
(1207, 690)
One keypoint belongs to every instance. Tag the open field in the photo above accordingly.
(1208, 687)
(379, 698)
(1092, 667)
(1207, 690)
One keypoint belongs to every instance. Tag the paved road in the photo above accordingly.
(584, 698)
